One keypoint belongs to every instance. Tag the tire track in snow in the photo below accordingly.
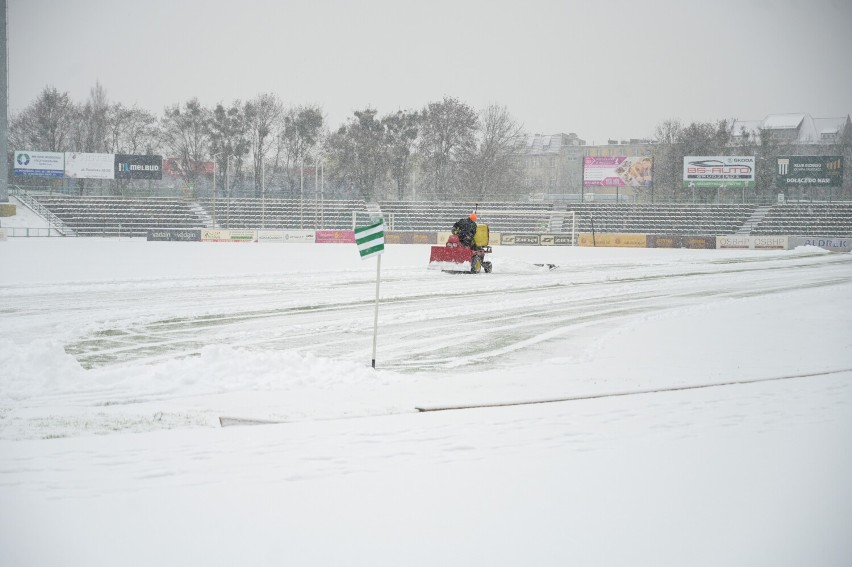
(420, 323)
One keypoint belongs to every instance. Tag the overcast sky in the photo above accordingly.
(603, 69)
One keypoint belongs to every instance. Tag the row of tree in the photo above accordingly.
(444, 150)
(448, 148)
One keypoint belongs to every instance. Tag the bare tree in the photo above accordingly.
(447, 138)
(92, 127)
(131, 130)
(401, 131)
(668, 161)
(300, 135)
(359, 153)
(185, 137)
(229, 137)
(492, 168)
(44, 125)
(262, 114)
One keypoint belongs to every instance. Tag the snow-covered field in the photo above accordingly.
(118, 357)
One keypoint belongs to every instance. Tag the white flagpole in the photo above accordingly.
(376, 316)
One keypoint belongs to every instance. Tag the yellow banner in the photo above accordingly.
(626, 240)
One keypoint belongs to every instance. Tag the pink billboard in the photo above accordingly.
(335, 236)
(618, 171)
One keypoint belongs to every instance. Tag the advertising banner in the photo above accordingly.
(736, 242)
(680, 241)
(556, 240)
(89, 166)
(699, 242)
(618, 171)
(394, 237)
(242, 236)
(813, 171)
(270, 236)
(770, 242)
(752, 242)
(335, 237)
(664, 241)
(286, 236)
(40, 164)
(508, 239)
(220, 235)
(158, 236)
(174, 235)
(215, 235)
(718, 172)
(617, 240)
(831, 244)
(138, 167)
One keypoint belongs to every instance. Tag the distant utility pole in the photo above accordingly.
(4, 107)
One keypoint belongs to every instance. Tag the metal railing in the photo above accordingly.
(28, 232)
(53, 221)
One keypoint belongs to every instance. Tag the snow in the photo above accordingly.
(117, 358)
(783, 121)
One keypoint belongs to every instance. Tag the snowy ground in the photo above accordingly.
(117, 359)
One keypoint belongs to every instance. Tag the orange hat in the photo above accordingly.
(472, 216)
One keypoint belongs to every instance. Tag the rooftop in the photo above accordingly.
(807, 128)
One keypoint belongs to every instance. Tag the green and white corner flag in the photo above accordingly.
(370, 239)
(371, 242)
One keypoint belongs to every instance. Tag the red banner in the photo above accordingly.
(335, 237)
(172, 166)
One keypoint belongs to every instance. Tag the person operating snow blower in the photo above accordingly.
(465, 229)
(465, 249)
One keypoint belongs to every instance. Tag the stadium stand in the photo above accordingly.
(278, 214)
(439, 215)
(661, 218)
(118, 216)
(121, 216)
(808, 219)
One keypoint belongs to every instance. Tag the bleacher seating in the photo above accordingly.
(280, 214)
(808, 219)
(118, 216)
(660, 218)
(438, 215)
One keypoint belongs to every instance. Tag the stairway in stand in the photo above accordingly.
(751, 223)
(202, 215)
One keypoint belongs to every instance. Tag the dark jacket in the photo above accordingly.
(466, 229)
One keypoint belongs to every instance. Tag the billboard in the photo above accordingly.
(224, 235)
(828, 243)
(39, 164)
(396, 237)
(290, 236)
(618, 171)
(174, 235)
(79, 165)
(618, 240)
(718, 172)
(138, 167)
(746, 242)
(335, 236)
(680, 241)
(813, 171)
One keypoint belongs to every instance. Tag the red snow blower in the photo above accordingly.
(457, 258)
